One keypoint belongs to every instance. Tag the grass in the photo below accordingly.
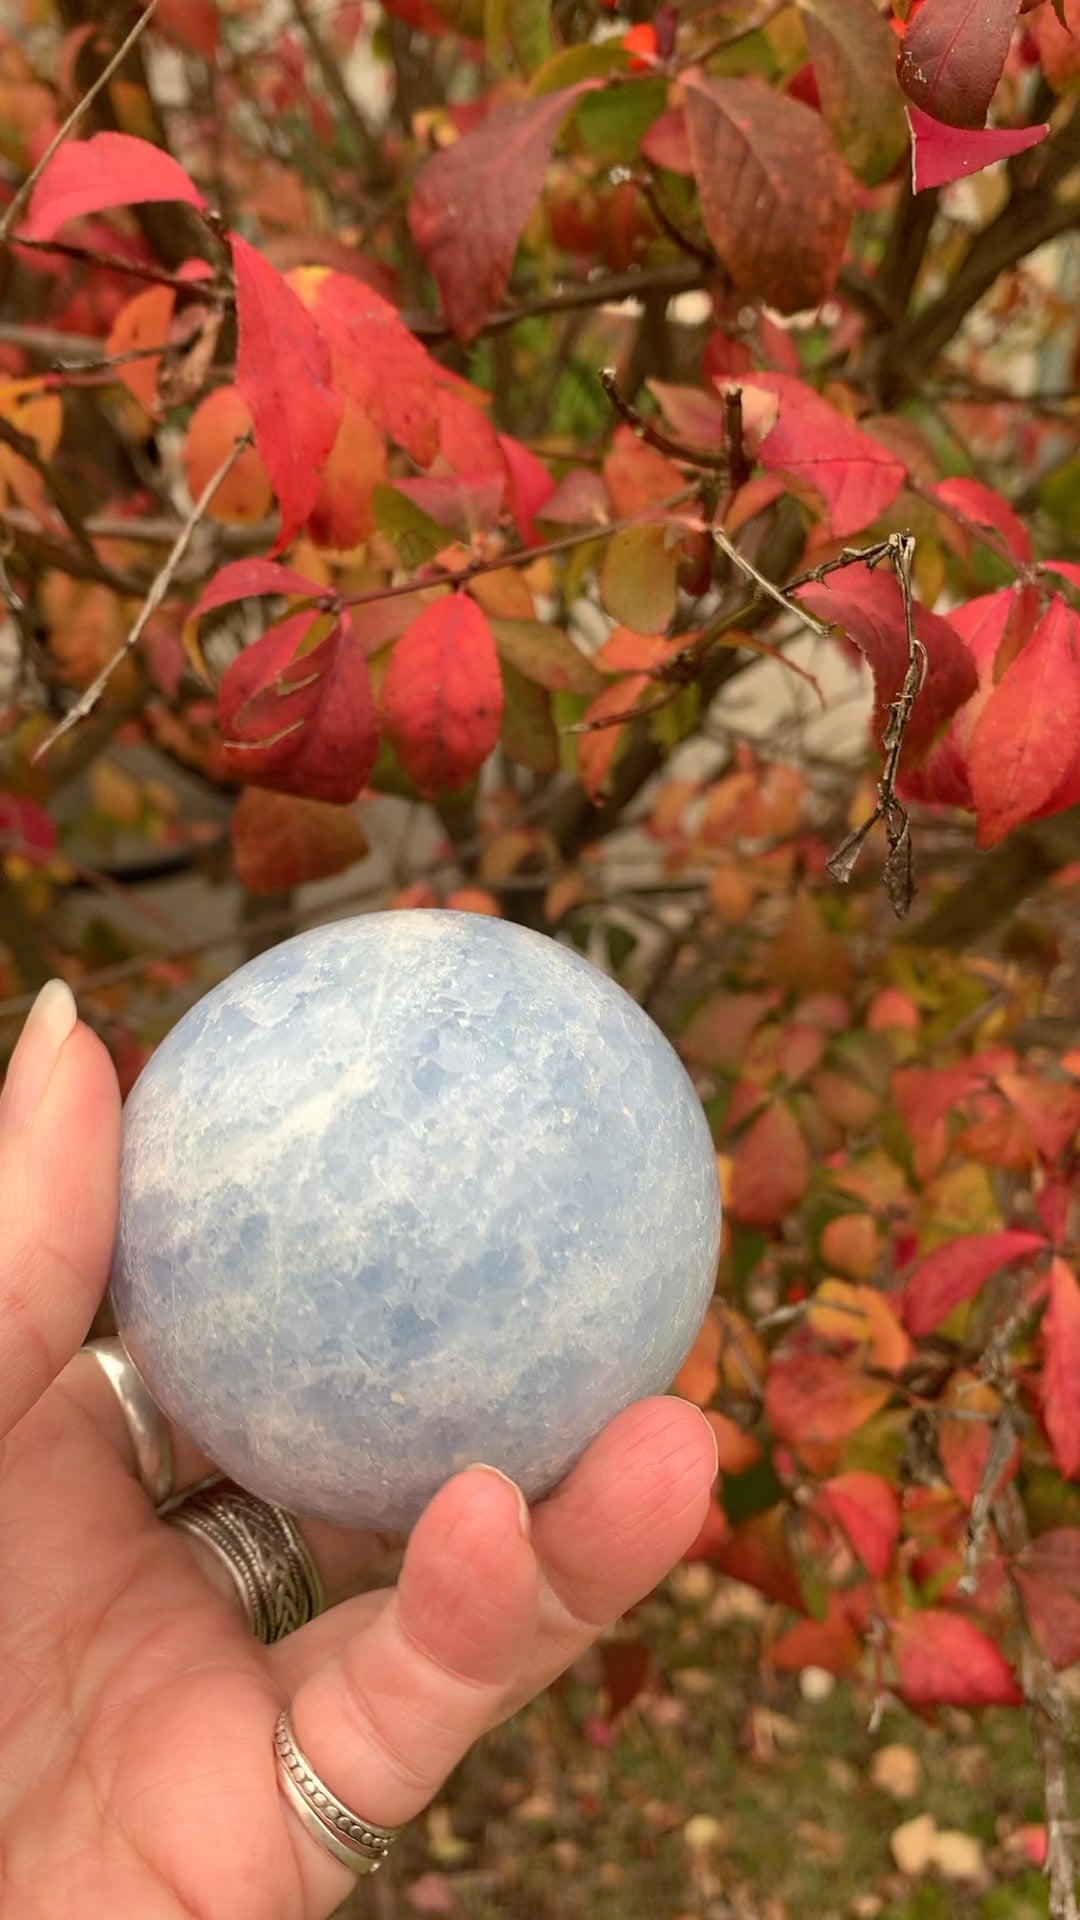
(726, 1794)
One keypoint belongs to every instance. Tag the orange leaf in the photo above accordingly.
(443, 695)
(245, 496)
(142, 322)
(831, 1644)
(771, 1170)
(736, 1450)
(699, 1375)
(281, 840)
(343, 514)
(942, 1659)
(1060, 1385)
(597, 749)
(859, 1316)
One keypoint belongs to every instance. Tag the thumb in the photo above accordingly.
(59, 1155)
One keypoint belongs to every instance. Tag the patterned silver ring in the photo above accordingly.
(355, 1842)
(146, 1424)
(262, 1549)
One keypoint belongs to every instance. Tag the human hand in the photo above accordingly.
(137, 1771)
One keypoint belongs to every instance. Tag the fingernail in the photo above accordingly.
(715, 1442)
(524, 1517)
(49, 1022)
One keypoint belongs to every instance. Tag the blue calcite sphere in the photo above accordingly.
(407, 1192)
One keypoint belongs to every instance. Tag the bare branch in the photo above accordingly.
(78, 113)
(89, 699)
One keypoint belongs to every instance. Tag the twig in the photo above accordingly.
(333, 79)
(674, 449)
(88, 700)
(1049, 1713)
(78, 112)
(766, 587)
(523, 557)
(898, 874)
(117, 263)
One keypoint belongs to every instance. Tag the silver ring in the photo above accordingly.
(146, 1423)
(262, 1549)
(355, 1842)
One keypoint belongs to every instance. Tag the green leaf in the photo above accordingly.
(853, 51)
(638, 579)
(526, 26)
(416, 537)
(573, 64)
(545, 655)
(528, 733)
(612, 124)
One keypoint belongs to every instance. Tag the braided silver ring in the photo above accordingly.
(263, 1551)
(146, 1424)
(355, 1842)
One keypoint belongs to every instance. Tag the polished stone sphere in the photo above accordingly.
(408, 1192)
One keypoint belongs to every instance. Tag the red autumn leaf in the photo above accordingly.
(758, 1552)
(110, 170)
(831, 1644)
(983, 625)
(283, 373)
(956, 1271)
(26, 829)
(375, 361)
(868, 607)
(1049, 1109)
(869, 1512)
(531, 486)
(248, 579)
(194, 23)
(1060, 1383)
(281, 840)
(1055, 35)
(301, 724)
(966, 1432)
(775, 196)
(771, 1169)
(814, 1401)
(855, 475)
(940, 153)
(987, 509)
(442, 696)
(1047, 1576)
(597, 749)
(1024, 753)
(943, 1659)
(471, 201)
(952, 55)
